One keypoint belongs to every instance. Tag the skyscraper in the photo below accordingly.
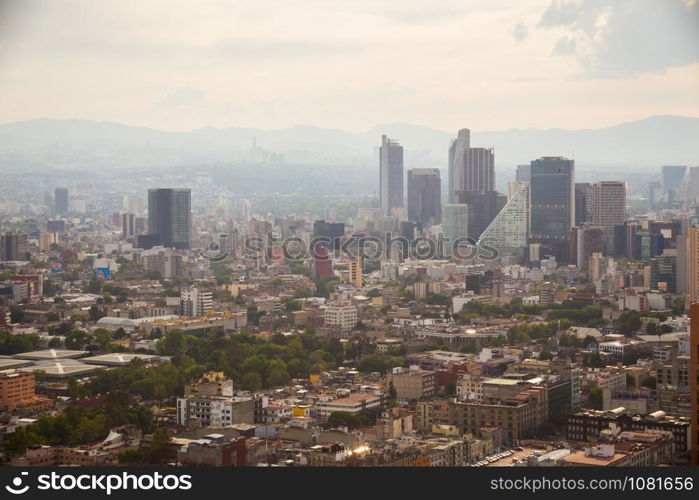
(455, 221)
(509, 230)
(581, 193)
(482, 209)
(390, 175)
(330, 232)
(606, 207)
(61, 200)
(589, 239)
(524, 173)
(672, 177)
(322, 265)
(14, 246)
(424, 195)
(606, 203)
(553, 202)
(692, 264)
(693, 185)
(470, 169)
(170, 217)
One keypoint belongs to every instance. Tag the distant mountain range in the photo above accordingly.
(643, 144)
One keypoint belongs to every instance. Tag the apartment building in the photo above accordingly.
(412, 383)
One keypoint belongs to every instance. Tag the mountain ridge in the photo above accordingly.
(651, 141)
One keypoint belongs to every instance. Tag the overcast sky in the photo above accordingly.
(350, 64)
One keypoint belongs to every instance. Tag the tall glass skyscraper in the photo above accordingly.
(455, 221)
(470, 169)
(424, 195)
(553, 202)
(61, 201)
(673, 177)
(390, 175)
(170, 217)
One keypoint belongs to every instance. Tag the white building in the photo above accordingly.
(215, 411)
(195, 302)
(509, 230)
(341, 315)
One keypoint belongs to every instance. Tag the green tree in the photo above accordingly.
(594, 398)
(174, 343)
(116, 406)
(103, 337)
(343, 419)
(18, 442)
(78, 339)
(545, 355)
(133, 456)
(278, 377)
(251, 381)
(160, 445)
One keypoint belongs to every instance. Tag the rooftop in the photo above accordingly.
(63, 368)
(116, 359)
(46, 354)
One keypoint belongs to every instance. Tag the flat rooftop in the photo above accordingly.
(62, 368)
(579, 458)
(116, 359)
(501, 381)
(7, 363)
(47, 354)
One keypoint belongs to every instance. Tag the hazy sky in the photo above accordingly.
(350, 64)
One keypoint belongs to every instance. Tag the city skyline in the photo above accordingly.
(218, 286)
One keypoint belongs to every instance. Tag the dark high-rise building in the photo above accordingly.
(61, 201)
(663, 273)
(333, 231)
(390, 175)
(553, 203)
(424, 195)
(55, 226)
(589, 240)
(146, 241)
(409, 229)
(470, 169)
(693, 185)
(672, 177)
(483, 207)
(170, 217)
(581, 213)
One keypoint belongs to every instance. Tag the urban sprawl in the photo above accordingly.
(444, 324)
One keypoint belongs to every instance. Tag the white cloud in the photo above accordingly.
(350, 65)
